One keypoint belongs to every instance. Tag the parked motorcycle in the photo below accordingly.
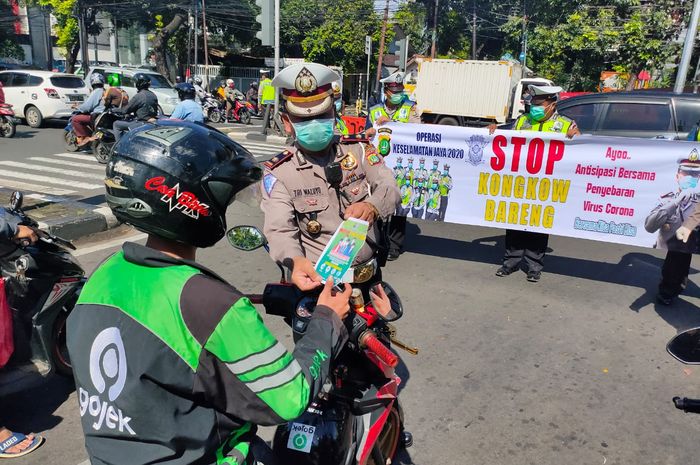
(43, 282)
(104, 135)
(212, 109)
(357, 419)
(8, 122)
(241, 110)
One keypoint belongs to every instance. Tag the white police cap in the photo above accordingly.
(306, 88)
(394, 80)
(536, 91)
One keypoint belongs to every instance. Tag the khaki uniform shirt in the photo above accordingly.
(667, 217)
(294, 190)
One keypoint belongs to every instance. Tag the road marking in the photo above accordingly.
(21, 185)
(107, 245)
(38, 178)
(76, 156)
(50, 169)
(69, 163)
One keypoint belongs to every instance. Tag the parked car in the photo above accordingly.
(39, 95)
(167, 95)
(645, 114)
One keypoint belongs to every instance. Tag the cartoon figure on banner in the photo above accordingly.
(419, 198)
(384, 141)
(444, 186)
(432, 207)
(434, 175)
(676, 206)
(406, 198)
(399, 172)
(421, 172)
(410, 172)
(476, 149)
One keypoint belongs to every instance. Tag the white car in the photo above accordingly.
(167, 95)
(39, 95)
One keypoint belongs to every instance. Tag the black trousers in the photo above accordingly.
(674, 272)
(266, 116)
(397, 233)
(527, 245)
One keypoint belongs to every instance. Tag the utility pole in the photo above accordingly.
(196, 35)
(687, 49)
(83, 40)
(368, 51)
(523, 53)
(381, 46)
(474, 33)
(432, 48)
(189, 39)
(206, 48)
(115, 24)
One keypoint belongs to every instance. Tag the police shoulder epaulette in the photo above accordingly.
(353, 138)
(668, 195)
(277, 160)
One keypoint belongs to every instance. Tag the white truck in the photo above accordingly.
(471, 93)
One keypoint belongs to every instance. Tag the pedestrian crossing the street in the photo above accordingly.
(78, 174)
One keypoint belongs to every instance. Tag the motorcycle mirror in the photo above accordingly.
(685, 347)
(396, 311)
(246, 238)
(16, 201)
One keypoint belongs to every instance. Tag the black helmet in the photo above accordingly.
(142, 81)
(175, 179)
(185, 91)
(198, 80)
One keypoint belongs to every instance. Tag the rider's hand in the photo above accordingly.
(304, 275)
(25, 232)
(380, 301)
(573, 131)
(339, 302)
(683, 233)
(492, 128)
(363, 211)
(370, 132)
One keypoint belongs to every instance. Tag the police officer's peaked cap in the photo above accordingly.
(306, 88)
(394, 81)
(691, 162)
(537, 91)
(337, 91)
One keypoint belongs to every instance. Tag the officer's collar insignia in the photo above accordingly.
(306, 82)
(277, 160)
(694, 156)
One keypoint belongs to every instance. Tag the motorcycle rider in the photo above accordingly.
(115, 97)
(91, 106)
(301, 211)
(144, 106)
(180, 360)
(252, 95)
(201, 93)
(187, 109)
(231, 94)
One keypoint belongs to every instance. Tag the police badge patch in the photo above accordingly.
(476, 149)
(269, 181)
(371, 155)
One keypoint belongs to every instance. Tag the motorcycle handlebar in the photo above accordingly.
(687, 405)
(374, 345)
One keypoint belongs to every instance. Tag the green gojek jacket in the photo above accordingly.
(174, 366)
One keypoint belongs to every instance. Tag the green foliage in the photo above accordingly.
(9, 48)
(334, 37)
(66, 28)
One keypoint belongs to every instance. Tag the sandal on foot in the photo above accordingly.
(533, 276)
(14, 441)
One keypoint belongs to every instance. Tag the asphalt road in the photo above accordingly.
(570, 370)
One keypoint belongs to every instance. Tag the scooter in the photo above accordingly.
(8, 122)
(69, 137)
(212, 109)
(241, 112)
(104, 135)
(43, 282)
(357, 419)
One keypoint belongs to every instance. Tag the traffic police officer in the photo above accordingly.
(397, 108)
(432, 206)
(445, 186)
(528, 245)
(340, 127)
(322, 179)
(675, 218)
(419, 197)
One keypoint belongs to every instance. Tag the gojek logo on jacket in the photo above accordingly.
(108, 376)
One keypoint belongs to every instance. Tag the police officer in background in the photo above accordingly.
(340, 127)
(322, 179)
(528, 245)
(397, 108)
(675, 218)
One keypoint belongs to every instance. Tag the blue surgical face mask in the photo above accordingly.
(537, 112)
(338, 105)
(688, 182)
(396, 99)
(314, 135)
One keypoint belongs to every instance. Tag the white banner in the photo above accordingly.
(629, 191)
